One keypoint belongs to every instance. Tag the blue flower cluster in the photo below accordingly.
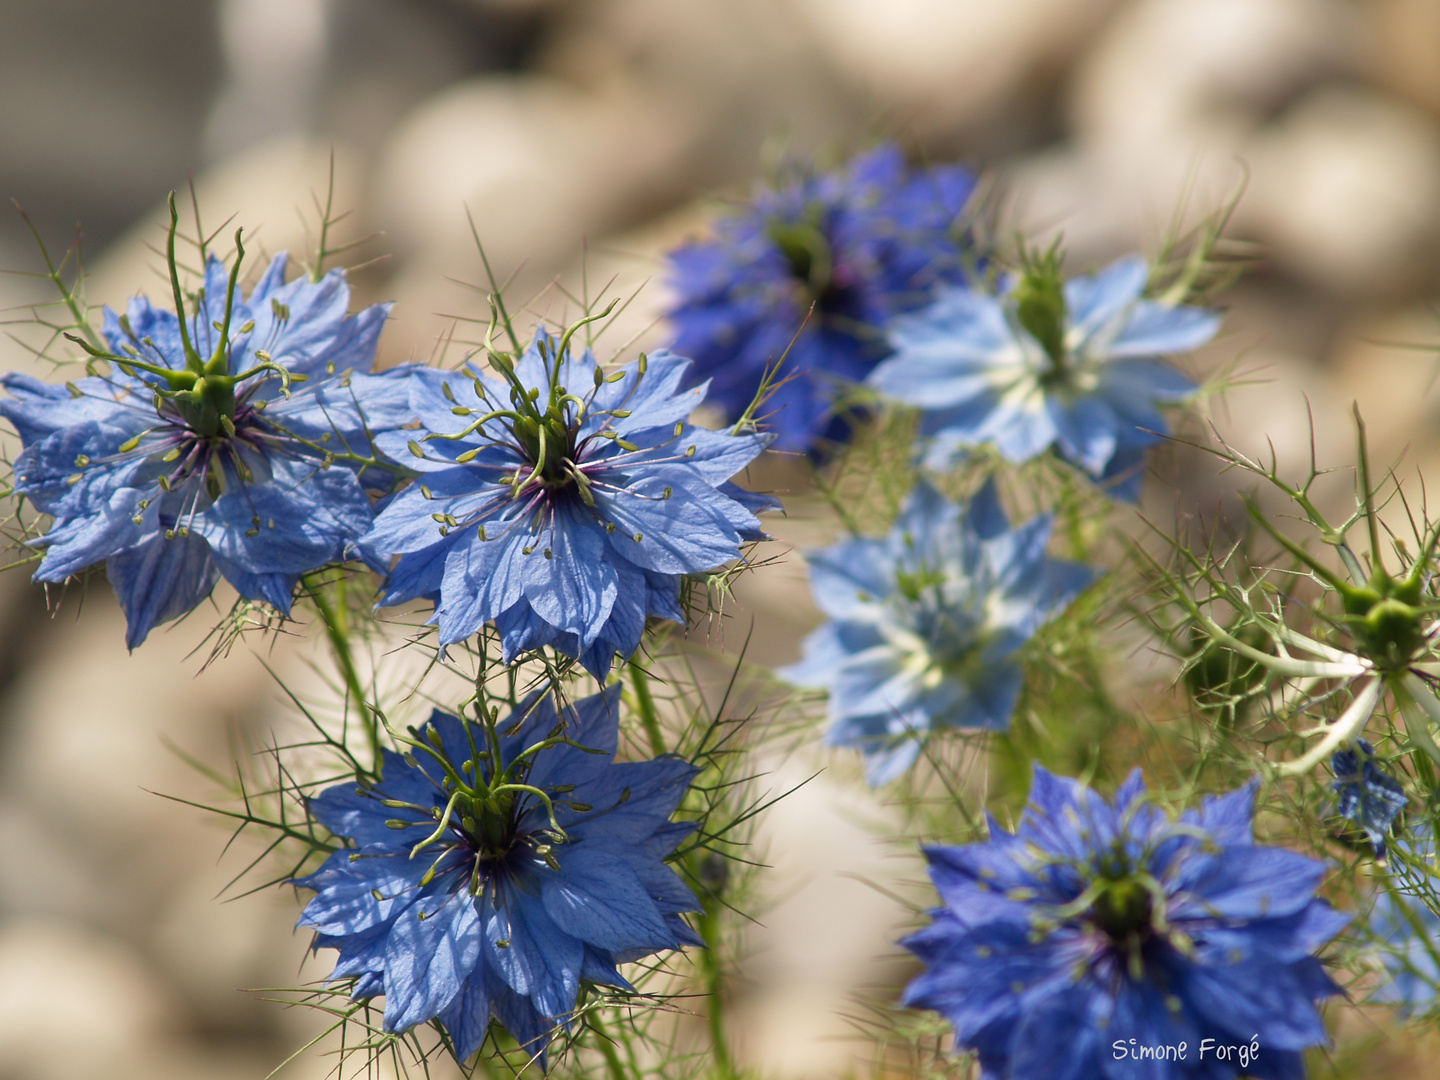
(562, 502)
(233, 441)
(1076, 365)
(859, 245)
(926, 622)
(497, 868)
(1099, 921)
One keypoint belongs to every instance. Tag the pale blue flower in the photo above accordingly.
(926, 623)
(1078, 366)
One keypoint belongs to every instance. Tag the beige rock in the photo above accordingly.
(1407, 54)
(71, 999)
(1162, 64)
(1389, 364)
(1163, 109)
(216, 945)
(1346, 189)
(825, 933)
(269, 189)
(747, 75)
(941, 64)
(91, 718)
(1287, 401)
(538, 165)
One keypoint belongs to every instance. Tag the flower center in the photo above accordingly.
(1040, 309)
(1387, 620)
(811, 259)
(1123, 911)
(912, 584)
(489, 825)
(548, 443)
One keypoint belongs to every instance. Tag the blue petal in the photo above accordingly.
(1245, 998)
(428, 959)
(294, 524)
(467, 1018)
(850, 576)
(1157, 330)
(569, 582)
(482, 579)
(1059, 1038)
(1094, 302)
(159, 580)
(603, 902)
(538, 959)
(1249, 883)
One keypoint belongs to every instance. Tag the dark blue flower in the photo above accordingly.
(1075, 365)
(560, 502)
(467, 895)
(860, 244)
(233, 444)
(1366, 795)
(1096, 923)
(926, 622)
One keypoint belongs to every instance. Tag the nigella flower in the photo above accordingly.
(560, 502)
(1365, 793)
(926, 622)
(1406, 927)
(1100, 923)
(1075, 365)
(1409, 954)
(231, 441)
(497, 867)
(860, 244)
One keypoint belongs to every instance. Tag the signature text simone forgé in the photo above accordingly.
(1243, 1054)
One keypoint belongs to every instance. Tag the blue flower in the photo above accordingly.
(1075, 365)
(1095, 924)
(1411, 935)
(560, 502)
(926, 622)
(1365, 794)
(466, 897)
(861, 244)
(230, 444)
(1407, 928)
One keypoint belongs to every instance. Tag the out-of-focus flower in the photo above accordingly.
(540, 868)
(860, 244)
(1365, 794)
(1406, 927)
(1071, 364)
(560, 502)
(1096, 924)
(232, 441)
(925, 624)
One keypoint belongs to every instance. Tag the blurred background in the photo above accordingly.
(614, 123)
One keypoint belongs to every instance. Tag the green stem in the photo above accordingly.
(714, 984)
(645, 703)
(332, 614)
(606, 1045)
